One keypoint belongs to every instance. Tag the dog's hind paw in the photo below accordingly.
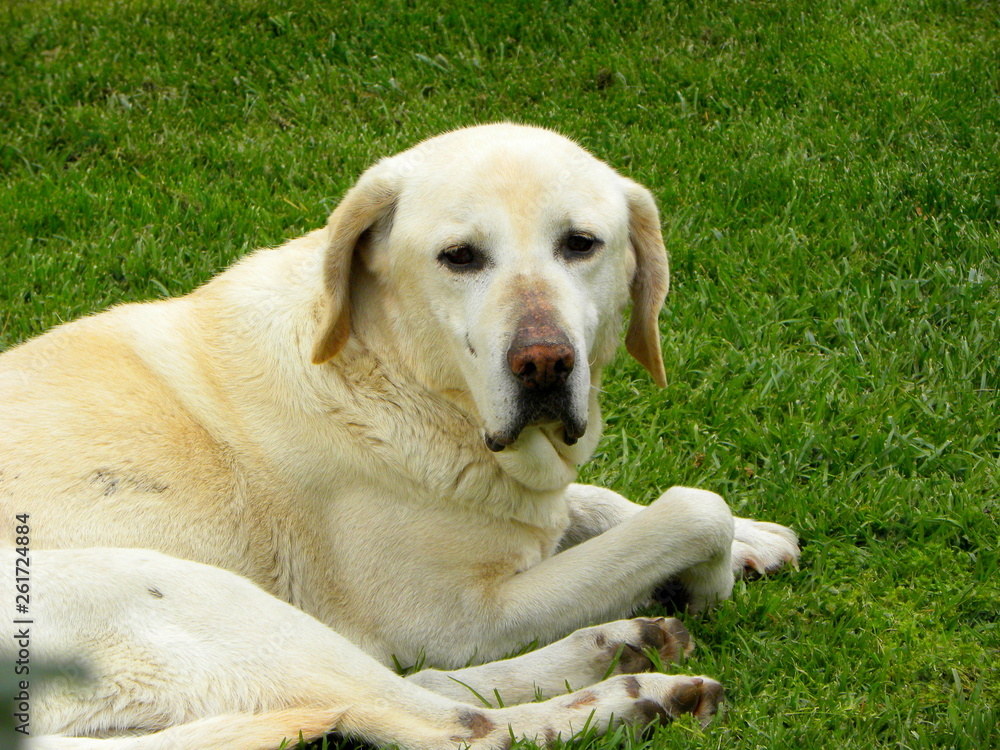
(629, 646)
(667, 636)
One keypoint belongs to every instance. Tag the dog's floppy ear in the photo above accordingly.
(649, 284)
(372, 198)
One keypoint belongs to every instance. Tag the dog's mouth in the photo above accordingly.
(536, 409)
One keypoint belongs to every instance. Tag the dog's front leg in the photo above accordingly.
(686, 534)
(759, 547)
(592, 511)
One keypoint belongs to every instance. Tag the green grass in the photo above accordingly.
(829, 180)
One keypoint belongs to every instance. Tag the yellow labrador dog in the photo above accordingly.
(237, 507)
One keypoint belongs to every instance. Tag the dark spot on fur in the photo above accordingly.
(600, 639)
(633, 660)
(476, 723)
(550, 735)
(667, 636)
(155, 592)
(680, 643)
(504, 742)
(583, 699)
(652, 635)
(109, 482)
(712, 695)
(686, 697)
(632, 687)
(651, 712)
(364, 432)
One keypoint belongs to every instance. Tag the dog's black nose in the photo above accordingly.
(541, 361)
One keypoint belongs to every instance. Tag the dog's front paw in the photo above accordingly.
(760, 548)
(707, 584)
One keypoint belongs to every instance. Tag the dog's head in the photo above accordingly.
(496, 262)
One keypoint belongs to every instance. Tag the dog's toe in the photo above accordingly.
(760, 548)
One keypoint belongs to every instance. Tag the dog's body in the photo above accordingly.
(378, 423)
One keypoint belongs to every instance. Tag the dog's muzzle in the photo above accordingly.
(540, 358)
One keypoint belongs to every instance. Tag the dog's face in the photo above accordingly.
(500, 258)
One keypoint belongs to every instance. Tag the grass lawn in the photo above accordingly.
(829, 180)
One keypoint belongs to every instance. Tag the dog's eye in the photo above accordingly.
(580, 245)
(461, 258)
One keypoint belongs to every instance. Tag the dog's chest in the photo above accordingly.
(398, 537)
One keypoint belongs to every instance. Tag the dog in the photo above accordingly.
(236, 508)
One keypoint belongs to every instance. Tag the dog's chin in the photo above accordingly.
(566, 434)
(556, 420)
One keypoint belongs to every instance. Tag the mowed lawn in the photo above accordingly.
(829, 180)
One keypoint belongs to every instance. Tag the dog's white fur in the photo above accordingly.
(316, 420)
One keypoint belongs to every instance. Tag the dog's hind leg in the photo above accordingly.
(582, 658)
(638, 700)
(184, 656)
(264, 731)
